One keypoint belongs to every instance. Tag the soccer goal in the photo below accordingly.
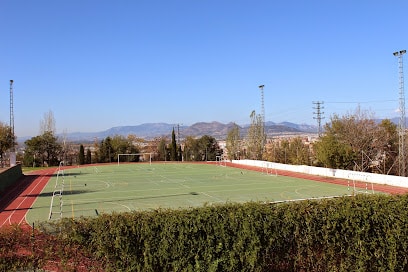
(58, 191)
(221, 161)
(268, 170)
(357, 184)
(360, 187)
(143, 157)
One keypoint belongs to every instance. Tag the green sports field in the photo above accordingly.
(93, 190)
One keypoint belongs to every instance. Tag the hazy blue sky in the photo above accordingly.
(97, 64)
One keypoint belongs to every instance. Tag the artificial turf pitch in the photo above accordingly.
(93, 190)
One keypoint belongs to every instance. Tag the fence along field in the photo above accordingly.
(93, 190)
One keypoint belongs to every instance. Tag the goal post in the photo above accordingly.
(221, 160)
(144, 156)
(357, 182)
(268, 170)
(58, 192)
(357, 187)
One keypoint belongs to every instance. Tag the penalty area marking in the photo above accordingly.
(303, 199)
(115, 203)
(211, 196)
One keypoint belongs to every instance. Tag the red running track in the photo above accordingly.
(18, 200)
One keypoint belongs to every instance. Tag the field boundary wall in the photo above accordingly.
(9, 176)
(328, 172)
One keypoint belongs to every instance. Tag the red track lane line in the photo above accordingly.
(16, 211)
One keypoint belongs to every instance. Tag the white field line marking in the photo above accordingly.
(218, 199)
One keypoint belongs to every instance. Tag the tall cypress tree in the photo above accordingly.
(173, 151)
(88, 156)
(81, 155)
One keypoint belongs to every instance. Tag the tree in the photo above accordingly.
(43, 149)
(7, 140)
(255, 137)
(162, 149)
(47, 124)
(356, 142)
(122, 145)
(191, 149)
(81, 158)
(290, 151)
(209, 148)
(173, 148)
(389, 133)
(233, 143)
(106, 150)
(298, 152)
(110, 148)
(70, 153)
(203, 149)
(179, 153)
(88, 158)
(332, 153)
(271, 151)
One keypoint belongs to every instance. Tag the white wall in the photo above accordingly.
(327, 172)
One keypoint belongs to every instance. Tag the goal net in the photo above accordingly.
(56, 208)
(221, 161)
(360, 187)
(139, 157)
(268, 170)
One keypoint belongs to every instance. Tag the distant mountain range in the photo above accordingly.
(215, 129)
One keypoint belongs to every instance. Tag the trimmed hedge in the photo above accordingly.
(362, 233)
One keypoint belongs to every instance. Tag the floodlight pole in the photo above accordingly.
(401, 125)
(12, 113)
(261, 87)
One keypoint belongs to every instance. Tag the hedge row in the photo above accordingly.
(362, 233)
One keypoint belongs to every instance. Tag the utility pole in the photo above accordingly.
(318, 113)
(401, 125)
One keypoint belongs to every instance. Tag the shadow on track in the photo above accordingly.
(15, 190)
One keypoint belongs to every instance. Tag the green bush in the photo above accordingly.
(362, 233)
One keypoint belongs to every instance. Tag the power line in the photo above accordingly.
(361, 102)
